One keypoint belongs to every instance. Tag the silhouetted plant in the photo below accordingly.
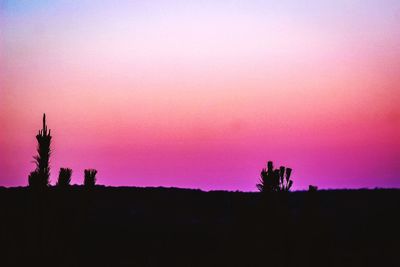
(64, 177)
(312, 188)
(33, 179)
(90, 178)
(40, 177)
(275, 180)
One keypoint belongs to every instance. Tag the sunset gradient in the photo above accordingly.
(201, 94)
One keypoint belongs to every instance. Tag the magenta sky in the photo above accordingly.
(201, 94)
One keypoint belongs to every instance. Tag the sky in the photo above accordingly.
(201, 94)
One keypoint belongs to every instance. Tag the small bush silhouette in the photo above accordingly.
(33, 179)
(90, 177)
(312, 188)
(40, 177)
(64, 177)
(277, 180)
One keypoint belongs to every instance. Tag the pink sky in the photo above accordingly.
(173, 93)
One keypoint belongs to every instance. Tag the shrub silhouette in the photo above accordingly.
(277, 180)
(90, 178)
(312, 188)
(40, 177)
(64, 177)
(34, 179)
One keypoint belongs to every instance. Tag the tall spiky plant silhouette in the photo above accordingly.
(90, 178)
(40, 176)
(64, 177)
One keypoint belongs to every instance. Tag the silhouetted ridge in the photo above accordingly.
(93, 225)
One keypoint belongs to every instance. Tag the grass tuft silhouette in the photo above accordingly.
(64, 177)
(90, 178)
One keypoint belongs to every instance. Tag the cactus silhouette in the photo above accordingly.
(90, 178)
(64, 177)
(40, 177)
(275, 180)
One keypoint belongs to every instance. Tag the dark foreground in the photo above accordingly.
(109, 226)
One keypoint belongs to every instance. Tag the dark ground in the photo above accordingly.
(110, 226)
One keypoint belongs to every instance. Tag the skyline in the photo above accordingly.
(203, 94)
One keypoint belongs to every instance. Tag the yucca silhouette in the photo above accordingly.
(275, 180)
(64, 177)
(40, 177)
(90, 178)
